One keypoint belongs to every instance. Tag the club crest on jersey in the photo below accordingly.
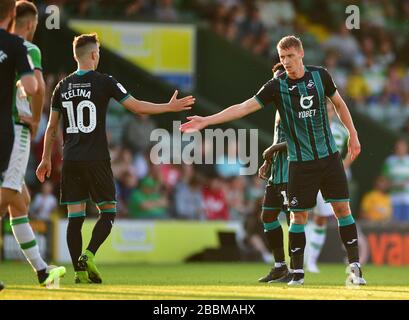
(310, 84)
(294, 202)
(306, 102)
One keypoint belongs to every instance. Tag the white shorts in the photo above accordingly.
(322, 208)
(16, 171)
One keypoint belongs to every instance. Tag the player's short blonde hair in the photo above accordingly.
(290, 42)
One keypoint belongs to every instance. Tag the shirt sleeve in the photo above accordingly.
(329, 84)
(56, 99)
(266, 94)
(117, 91)
(24, 64)
(35, 55)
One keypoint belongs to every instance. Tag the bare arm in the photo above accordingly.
(269, 152)
(354, 147)
(233, 112)
(30, 84)
(37, 101)
(144, 107)
(44, 168)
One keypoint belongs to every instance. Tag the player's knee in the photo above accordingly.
(299, 217)
(75, 223)
(341, 209)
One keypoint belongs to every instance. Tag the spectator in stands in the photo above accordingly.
(134, 8)
(376, 204)
(136, 133)
(44, 203)
(214, 199)
(344, 43)
(188, 198)
(125, 184)
(122, 163)
(235, 196)
(396, 169)
(392, 92)
(146, 202)
(251, 28)
(357, 89)
(165, 11)
(228, 165)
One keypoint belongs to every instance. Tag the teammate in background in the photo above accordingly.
(13, 61)
(323, 210)
(315, 164)
(275, 197)
(14, 194)
(81, 99)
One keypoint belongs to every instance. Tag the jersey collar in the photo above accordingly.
(81, 72)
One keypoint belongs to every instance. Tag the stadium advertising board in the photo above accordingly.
(149, 241)
(167, 51)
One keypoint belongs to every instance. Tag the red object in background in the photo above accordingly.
(170, 175)
(215, 204)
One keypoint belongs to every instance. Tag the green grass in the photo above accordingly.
(205, 281)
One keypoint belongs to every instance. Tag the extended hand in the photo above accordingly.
(196, 123)
(185, 103)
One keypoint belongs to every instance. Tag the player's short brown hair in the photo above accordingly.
(82, 41)
(25, 9)
(5, 7)
(290, 42)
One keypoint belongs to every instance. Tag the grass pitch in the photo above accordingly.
(197, 281)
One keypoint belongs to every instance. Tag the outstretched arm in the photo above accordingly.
(144, 107)
(233, 112)
(354, 147)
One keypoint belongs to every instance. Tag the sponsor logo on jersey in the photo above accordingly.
(306, 102)
(294, 202)
(310, 84)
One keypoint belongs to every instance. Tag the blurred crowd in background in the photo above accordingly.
(369, 68)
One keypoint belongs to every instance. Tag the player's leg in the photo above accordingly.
(318, 233)
(100, 233)
(23, 233)
(102, 190)
(18, 209)
(303, 186)
(335, 191)
(76, 218)
(271, 208)
(74, 194)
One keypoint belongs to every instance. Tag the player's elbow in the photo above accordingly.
(30, 85)
(133, 105)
